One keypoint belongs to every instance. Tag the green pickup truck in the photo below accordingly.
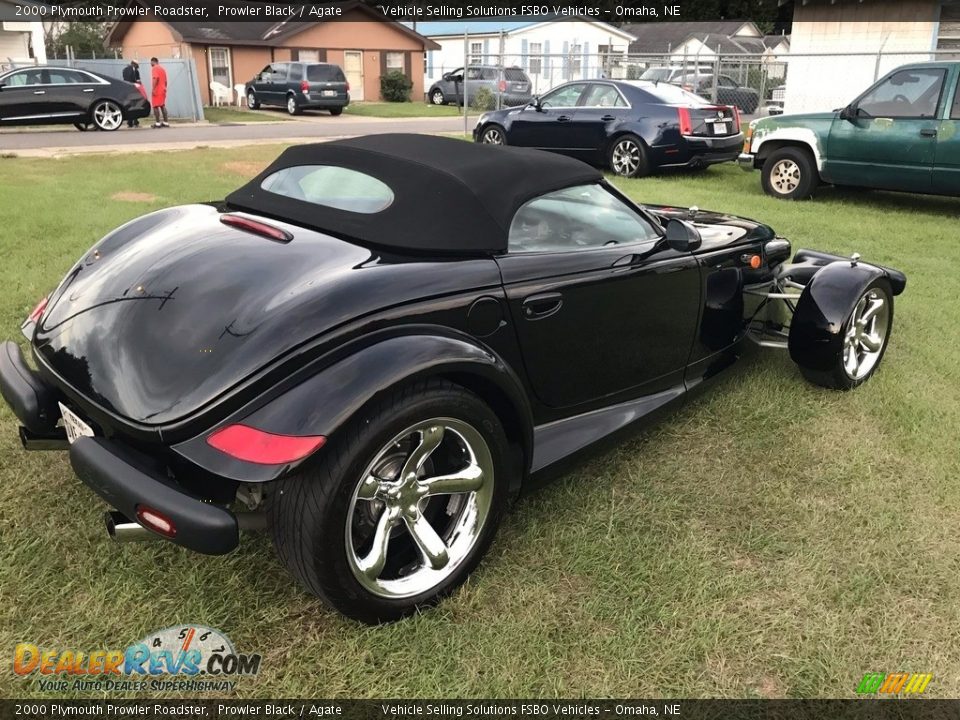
(901, 134)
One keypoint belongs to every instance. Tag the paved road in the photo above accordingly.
(191, 135)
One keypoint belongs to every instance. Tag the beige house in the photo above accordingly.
(364, 44)
(21, 42)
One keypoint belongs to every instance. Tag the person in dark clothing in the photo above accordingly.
(131, 73)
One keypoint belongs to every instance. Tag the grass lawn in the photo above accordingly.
(242, 115)
(403, 110)
(769, 539)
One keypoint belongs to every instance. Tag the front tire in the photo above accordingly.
(627, 157)
(437, 97)
(107, 115)
(866, 332)
(293, 108)
(400, 506)
(83, 126)
(790, 173)
(252, 102)
(493, 135)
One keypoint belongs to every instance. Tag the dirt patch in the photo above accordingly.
(245, 167)
(133, 197)
(770, 687)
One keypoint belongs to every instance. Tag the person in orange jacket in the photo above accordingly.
(159, 96)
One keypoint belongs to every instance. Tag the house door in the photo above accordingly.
(220, 66)
(353, 67)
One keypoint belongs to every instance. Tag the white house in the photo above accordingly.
(21, 41)
(550, 51)
(839, 47)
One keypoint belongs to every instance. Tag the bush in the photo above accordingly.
(483, 99)
(395, 87)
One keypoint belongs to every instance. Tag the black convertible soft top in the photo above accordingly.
(450, 196)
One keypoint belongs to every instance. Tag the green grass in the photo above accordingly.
(242, 115)
(769, 539)
(402, 110)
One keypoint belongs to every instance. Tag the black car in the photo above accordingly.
(299, 86)
(632, 127)
(373, 377)
(54, 95)
(729, 91)
(510, 84)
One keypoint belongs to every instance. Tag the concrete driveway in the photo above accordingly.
(47, 143)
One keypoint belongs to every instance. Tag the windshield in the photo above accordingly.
(656, 74)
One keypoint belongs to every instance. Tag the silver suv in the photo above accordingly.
(511, 84)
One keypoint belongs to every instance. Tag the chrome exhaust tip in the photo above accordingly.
(122, 529)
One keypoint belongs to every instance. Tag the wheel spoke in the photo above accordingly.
(368, 488)
(871, 342)
(429, 440)
(431, 545)
(872, 310)
(372, 565)
(850, 360)
(467, 480)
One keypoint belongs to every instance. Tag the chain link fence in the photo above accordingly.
(758, 84)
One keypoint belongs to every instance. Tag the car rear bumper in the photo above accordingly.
(136, 109)
(747, 161)
(700, 151)
(125, 479)
(314, 100)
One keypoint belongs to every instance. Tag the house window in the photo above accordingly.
(476, 53)
(220, 70)
(308, 55)
(394, 61)
(535, 59)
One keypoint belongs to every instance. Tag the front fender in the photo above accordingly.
(322, 403)
(816, 331)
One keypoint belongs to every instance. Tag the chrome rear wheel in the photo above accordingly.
(866, 334)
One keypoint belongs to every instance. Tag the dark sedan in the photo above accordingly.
(55, 95)
(631, 127)
(729, 91)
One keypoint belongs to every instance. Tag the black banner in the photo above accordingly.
(487, 709)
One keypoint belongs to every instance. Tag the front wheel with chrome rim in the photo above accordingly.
(107, 115)
(627, 157)
(865, 335)
(790, 173)
(400, 506)
(494, 135)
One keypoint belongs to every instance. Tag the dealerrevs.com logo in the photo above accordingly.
(894, 683)
(183, 657)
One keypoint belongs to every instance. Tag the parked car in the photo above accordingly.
(299, 86)
(375, 377)
(632, 127)
(777, 98)
(673, 74)
(900, 134)
(511, 84)
(47, 95)
(729, 92)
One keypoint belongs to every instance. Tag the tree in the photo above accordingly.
(86, 39)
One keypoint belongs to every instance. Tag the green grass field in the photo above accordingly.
(403, 110)
(222, 115)
(769, 539)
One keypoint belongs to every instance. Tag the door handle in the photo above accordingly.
(537, 307)
(39, 92)
(608, 118)
(928, 132)
(564, 118)
(88, 90)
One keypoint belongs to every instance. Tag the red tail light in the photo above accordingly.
(156, 521)
(503, 85)
(304, 86)
(348, 87)
(736, 114)
(38, 310)
(256, 227)
(263, 448)
(686, 127)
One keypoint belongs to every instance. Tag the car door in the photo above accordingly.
(261, 83)
(549, 127)
(69, 92)
(278, 83)
(22, 96)
(946, 164)
(601, 109)
(601, 305)
(452, 84)
(890, 138)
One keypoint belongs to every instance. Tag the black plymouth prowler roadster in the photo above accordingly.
(370, 349)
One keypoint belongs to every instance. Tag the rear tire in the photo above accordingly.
(864, 342)
(293, 108)
(336, 111)
(107, 115)
(327, 518)
(627, 157)
(790, 173)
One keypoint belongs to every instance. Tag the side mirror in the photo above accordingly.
(446, 76)
(682, 236)
(536, 104)
(849, 113)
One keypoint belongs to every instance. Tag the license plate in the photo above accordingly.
(719, 128)
(329, 93)
(74, 426)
